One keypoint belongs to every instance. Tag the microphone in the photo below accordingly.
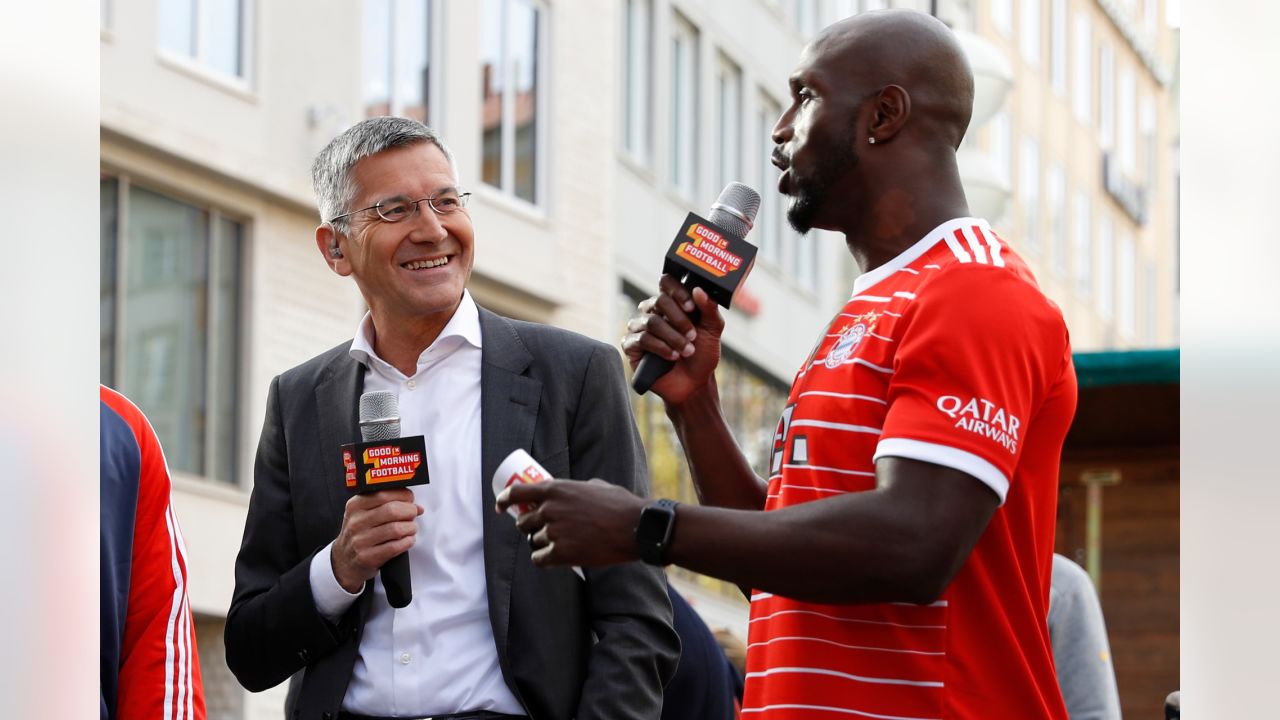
(711, 254)
(385, 460)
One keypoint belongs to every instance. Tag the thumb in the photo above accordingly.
(710, 310)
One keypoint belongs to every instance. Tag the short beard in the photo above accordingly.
(809, 195)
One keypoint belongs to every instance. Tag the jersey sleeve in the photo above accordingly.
(978, 352)
(159, 667)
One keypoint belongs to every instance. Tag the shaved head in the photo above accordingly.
(912, 50)
(879, 104)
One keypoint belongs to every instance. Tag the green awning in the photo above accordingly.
(1127, 367)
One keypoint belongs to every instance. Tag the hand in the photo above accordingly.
(375, 528)
(577, 523)
(663, 327)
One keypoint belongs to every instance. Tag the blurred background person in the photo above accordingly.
(149, 666)
(1081, 653)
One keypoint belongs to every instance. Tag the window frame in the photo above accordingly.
(196, 63)
(1058, 46)
(728, 120)
(1126, 293)
(541, 79)
(238, 357)
(434, 58)
(772, 208)
(683, 172)
(1002, 16)
(637, 87)
(1107, 96)
(1106, 281)
(1082, 245)
(1082, 69)
(1056, 179)
(1029, 192)
(1030, 32)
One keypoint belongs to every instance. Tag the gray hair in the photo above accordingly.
(331, 172)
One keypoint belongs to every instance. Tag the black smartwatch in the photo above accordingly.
(653, 532)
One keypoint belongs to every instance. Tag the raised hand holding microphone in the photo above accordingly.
(378, 526)
(709, 255)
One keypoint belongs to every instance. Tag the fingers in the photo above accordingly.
(384, 506)
(663, 326)
(523, 494)
(375, 528)
(655, 334)
(671, 287)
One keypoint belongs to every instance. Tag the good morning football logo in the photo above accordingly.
(709, 250)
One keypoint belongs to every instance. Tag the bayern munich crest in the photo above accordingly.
(850, 338)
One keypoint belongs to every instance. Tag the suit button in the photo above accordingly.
(303, 655)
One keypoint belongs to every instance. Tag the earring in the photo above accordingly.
(871, 140)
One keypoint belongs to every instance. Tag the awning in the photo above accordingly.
(1127, 367)
(1129, 399)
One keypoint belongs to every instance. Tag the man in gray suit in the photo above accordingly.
(487, 634)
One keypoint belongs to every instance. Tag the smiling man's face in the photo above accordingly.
(415, 269)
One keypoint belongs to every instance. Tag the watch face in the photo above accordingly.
(653, 531)
(653, 525)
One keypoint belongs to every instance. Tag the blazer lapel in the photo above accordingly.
(338, 422)
(508, 412)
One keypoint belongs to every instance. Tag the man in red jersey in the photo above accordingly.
(901, 567)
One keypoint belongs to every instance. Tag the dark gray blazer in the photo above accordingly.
(601, 649)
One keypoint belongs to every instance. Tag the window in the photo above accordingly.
(211, 32)
(1126, 277)
(1150, 12)
(1058, 219)
(1082, 237)
(1000, 144)
(397, 59)
(805, 13)
(637, 57)
(1106, 265)
(1127, 122)
(512, 50)
(684, 105)
(728, 122)
(1149, 151)
(804, 261)
(1002, 16)
(170, 321)
(772, 209)
(1107, 97)
(1029, 31)
(1151, 314)
(1082, 69)
(1058, 46)
(1029, 192)
(847, 8)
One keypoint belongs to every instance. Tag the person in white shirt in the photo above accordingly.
(487, 634)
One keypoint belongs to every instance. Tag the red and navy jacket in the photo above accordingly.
(149, 666)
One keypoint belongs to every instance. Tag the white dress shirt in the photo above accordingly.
(438, 654)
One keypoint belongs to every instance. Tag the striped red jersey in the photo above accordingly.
(149, 663)
(949, 354)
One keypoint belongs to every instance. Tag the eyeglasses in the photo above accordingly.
(399, 208)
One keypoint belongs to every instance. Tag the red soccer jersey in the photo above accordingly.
(153, 670)
(949, 354)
